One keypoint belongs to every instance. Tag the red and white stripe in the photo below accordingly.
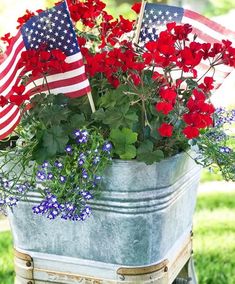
(207, 29)
(10, 114)
(211, 32)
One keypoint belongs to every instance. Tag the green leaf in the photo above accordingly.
(153, 111)
(39, 154)
(146, 154)
(53, 115)
(60, 99)
(113, 117)
(108, 100)
(123, 140)
(99, 115)
(54, 141)
(128, 153)
(129, 118)
(77, 121)
(115, 97)
(120, 117)
(124, 136)
(146, 146)
(155, 124)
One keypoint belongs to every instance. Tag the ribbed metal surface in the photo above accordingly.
(142, 212)
(41, 268)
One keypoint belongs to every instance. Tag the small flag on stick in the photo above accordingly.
(154, 17)
(54, 29)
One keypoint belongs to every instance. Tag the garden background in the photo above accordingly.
(214, 225)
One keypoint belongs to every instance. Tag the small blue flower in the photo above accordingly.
(80, 162)
(11, 201)
(6, 184)
(62, 179)
(20, 188)
(70, 207)
(82, 217)
(45, 164)
(41, 175)
(84, 174)
(51, 216)
(55, 212)
(50, 176)
(68, 149)
(97, 178)
(77, 133)
(96, 160)
(52, 198)
(86, 195)
(81, 136)
(107, 147)
(225, 150)
(58, 164)
(88, 210)
(36, 210)
(220, 110)
(61, 206)
(42, 208)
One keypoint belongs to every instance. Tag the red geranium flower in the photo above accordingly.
(191, 132)
(28, 15)
(136, 7)
(17, 96)
(164, 107)
(7, 38)
(168, 94)
(3, 101)
(165, 130)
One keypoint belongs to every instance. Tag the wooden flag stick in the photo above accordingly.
(139, 23)
(91, 101)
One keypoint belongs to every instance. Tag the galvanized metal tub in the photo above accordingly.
(143, 212)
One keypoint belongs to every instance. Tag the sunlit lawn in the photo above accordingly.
(214, 241)
(214, 244)
(6, 259)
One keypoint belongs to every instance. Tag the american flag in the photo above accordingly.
(54, 28)
(156, 16)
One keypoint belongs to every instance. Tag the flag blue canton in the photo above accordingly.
(52, 28)
(155, 19)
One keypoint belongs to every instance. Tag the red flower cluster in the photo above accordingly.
(166, 69)
(16, 97)
(165, 130)
(28, 15)
(42, 62)
(86, 11)
(199, 115)
(37, 63)
(172, 51)
(90, 12)
(7, 38)
(111, 63)
(136, 7)
(168, 94)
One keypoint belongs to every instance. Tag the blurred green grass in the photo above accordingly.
(208, 175)
(214, 239)
(6, 259)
